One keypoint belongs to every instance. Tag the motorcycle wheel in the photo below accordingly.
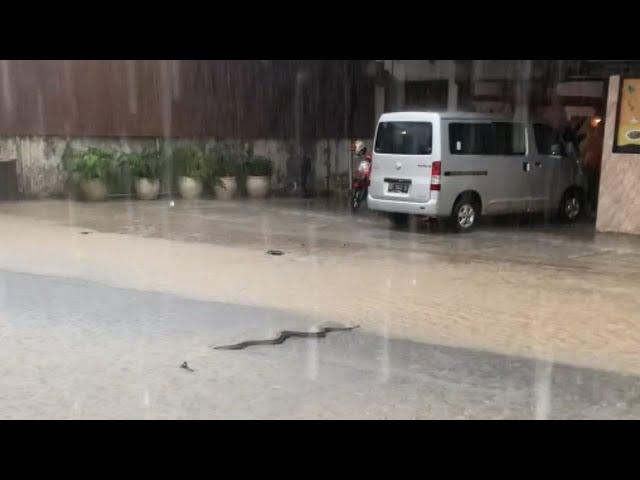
(356, 199)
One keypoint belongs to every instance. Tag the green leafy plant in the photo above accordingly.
(190, 162)
(259, 166)
(223, 161)
(93, 163)
(145, 164)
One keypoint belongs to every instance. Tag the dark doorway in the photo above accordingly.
(8, 180)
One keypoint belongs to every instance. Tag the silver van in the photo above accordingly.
(462, 165)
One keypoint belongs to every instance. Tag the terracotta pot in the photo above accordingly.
(258, 186)
(226, 188)
(190, 188)
(93, 190)
(147, 189)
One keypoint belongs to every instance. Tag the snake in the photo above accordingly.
(284, 335)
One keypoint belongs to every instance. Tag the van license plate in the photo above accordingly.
(399, 187)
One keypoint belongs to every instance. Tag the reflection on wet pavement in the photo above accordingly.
(278, 221)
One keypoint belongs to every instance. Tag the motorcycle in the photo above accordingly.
(361, 181)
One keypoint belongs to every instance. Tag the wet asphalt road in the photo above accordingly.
(76, 349)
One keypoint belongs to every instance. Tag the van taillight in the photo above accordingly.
(436, 170)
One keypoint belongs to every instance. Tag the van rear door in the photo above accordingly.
(402, 157)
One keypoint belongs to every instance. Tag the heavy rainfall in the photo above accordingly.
(371, 239)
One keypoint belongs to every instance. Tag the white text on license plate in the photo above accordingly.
(399, 187)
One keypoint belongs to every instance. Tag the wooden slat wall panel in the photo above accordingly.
(186, 98)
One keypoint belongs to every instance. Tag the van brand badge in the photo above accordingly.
(398, 165)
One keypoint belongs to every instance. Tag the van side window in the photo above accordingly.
(510, 138)
(497, 138)
(404, 138)
(545, 138)
(471, 139)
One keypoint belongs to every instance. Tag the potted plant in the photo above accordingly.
(224, 166)
(258, 170)
(146, 168)
(91, 168)
(190, 164)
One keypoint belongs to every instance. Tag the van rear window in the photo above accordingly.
(404, 138)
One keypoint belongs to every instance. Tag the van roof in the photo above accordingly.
(426, 115)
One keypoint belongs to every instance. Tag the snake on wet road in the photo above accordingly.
(284, 335)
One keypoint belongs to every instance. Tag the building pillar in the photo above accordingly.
(378, 103)
(618, 200)
(398, 76)
(522, 92)
(452, 95)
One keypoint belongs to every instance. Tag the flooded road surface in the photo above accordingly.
(77, 349)
(536, 316)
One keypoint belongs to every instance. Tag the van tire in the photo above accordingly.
(572, 205)
(399, 220)
(465, 213)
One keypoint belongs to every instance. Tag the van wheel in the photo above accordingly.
(572, 205)
(465, 214)
(399, 220)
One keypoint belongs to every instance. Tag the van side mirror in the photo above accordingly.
(556, 150)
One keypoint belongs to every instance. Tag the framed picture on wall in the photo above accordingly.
(627, 135)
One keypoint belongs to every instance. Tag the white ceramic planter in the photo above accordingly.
(93, 190)
(190, 188)
(226, 188)
(147, 189)
(258, 187)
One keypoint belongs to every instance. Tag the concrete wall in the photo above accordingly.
(478, 71)
(443, 69)
(41, 175)
(420, 70)
(619, 197)
(424, 70)
(38, 163)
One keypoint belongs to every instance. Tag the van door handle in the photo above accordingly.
(526, 166)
